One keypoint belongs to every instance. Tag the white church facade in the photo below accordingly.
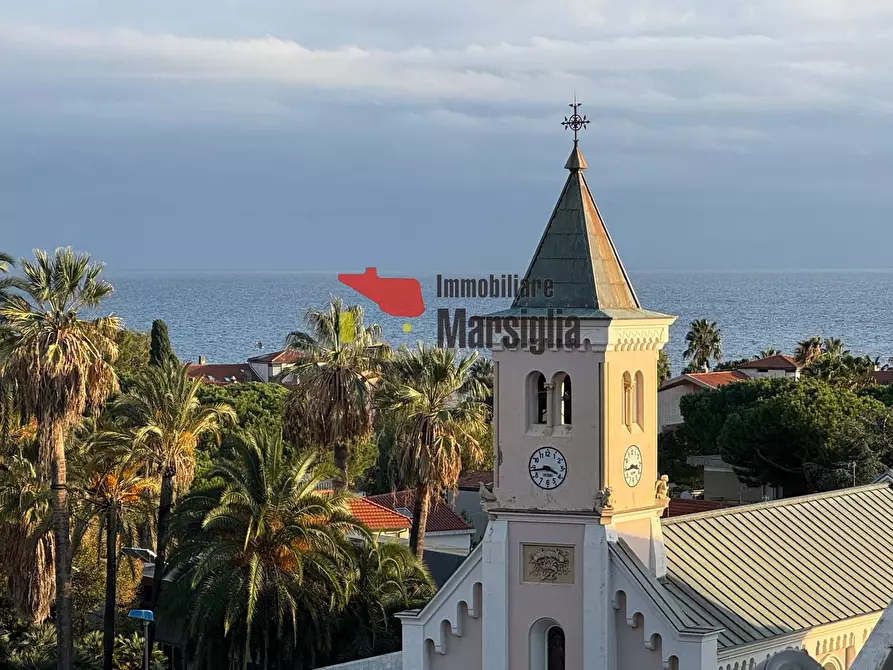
(577, 570)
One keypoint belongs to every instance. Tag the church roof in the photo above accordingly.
(773, 568)
(576, 253)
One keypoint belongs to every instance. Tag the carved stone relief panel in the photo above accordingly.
(547, 563)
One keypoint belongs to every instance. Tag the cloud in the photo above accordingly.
(643, 72)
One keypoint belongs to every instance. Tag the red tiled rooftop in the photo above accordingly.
(441, 517)
(710, 380)
(473, 480)
(377, 517)
(284, 356)
(716, 379)
(776, 362)
(680, 507)
(883, 376)
(220, 373)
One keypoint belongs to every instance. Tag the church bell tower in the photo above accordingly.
(575, 435)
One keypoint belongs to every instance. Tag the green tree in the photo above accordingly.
(168, 419)
(732, 365)
(117, 494)
(704, 343)
(133, 355)
(663, 367)
(673, 450)
(63, 367)
(797, 435)
(25, 524)
(439, 413)
(833, 347)
(705, 412)
(385, 578)
(331, 406)
(261, 559)
(841, 369)
(768, 352)
(160, 350)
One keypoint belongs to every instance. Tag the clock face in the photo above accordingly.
(632, 466)
(547, 468)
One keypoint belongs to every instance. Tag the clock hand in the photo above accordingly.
(543, 468)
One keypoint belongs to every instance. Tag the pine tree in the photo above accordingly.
(160, 349)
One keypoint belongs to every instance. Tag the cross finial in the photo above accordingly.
(575, 122)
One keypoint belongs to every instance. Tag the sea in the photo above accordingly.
(229, 316)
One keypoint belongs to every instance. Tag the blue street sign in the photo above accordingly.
(144, 615)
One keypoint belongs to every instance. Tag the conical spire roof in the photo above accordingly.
(577, 254)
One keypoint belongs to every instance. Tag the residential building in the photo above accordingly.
(265, 368)
(220, 373)
(445, 530)
(268, 366)
(672, 390)
(721, 482)
(578, 568)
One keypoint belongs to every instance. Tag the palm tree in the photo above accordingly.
(63, 367)
(833, 347)
(482, 372)
(703, 344)
(25, 524)
(331, 406)
(261, 558)
(167, 418)
(438, 412)
(116, 493)
(808, 350)
(768, 352)
(386, 578)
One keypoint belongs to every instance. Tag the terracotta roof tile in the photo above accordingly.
(776, 362)
(883, 376)
(441, 517)
(220, 373)
(716, 379)
(680, 507)
(473, 480)
(378, 517)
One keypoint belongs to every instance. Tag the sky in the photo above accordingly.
(414, 135)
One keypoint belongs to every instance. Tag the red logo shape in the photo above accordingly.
(397, 296)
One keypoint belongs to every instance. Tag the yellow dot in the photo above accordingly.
(407, 327)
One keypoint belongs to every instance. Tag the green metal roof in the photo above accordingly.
(773, 568)
(576, 253)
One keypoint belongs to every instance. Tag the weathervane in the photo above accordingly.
(575, 122)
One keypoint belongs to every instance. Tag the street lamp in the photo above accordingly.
(147, 617)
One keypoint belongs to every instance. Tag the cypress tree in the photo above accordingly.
(160, 349)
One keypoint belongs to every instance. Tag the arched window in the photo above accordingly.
(628, 395)
(639, 389)
(555, 648)
(547, 649)
(538, 399)
(564, 400)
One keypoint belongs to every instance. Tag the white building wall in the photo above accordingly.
(386, 662)
(469, 502)
(452, 542)
(668, 413)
